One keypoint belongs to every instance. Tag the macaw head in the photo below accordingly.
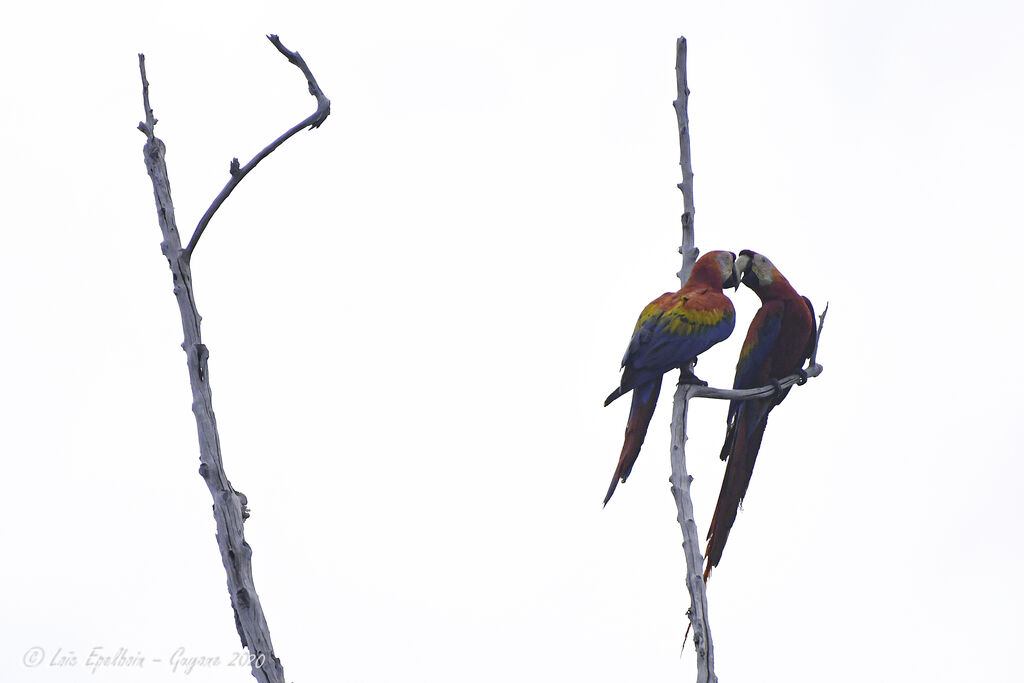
(758, 272)
(725, 263)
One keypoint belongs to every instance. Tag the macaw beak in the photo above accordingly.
(734, 279)
(742, 263)
(751, 280)
(742, 268)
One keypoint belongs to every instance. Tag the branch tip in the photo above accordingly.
(323, 110)
(150, 123)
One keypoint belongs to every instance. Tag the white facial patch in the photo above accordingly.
(763, 269)
(725, 263)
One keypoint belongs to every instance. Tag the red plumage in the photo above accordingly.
(779, 340)
(671, 332)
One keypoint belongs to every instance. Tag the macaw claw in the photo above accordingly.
(687, 377)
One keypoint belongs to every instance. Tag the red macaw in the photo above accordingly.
(781, 337)
(671, 332)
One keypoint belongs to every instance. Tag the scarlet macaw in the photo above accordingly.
(671, 332)
(781, 337)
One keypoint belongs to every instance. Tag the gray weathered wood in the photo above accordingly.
(688, 248)
(680, 480)
(229, 505)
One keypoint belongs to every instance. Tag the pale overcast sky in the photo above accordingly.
(415, 312)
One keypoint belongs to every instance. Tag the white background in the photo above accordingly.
(415, 312)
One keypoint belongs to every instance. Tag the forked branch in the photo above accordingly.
(229, 505)
(323, 109)
(680, 479)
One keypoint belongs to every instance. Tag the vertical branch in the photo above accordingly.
(229, 506)
(688, 248)
(698, 612)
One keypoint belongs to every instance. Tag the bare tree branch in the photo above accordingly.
(680, 479)
(698, 612)
(229, 505)
(323, 109)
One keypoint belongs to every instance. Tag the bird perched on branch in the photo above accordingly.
(672, 331)
(781, 337)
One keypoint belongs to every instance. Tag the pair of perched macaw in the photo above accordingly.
(677, 327)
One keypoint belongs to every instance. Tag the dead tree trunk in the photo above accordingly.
(229, 505)
(680, 480)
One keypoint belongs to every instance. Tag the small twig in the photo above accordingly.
(323, 110)
(149, 124)
(817, 336)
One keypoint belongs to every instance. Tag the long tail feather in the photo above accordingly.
(614, 395)
(745, 441)
(730, 441)
(645, 398)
